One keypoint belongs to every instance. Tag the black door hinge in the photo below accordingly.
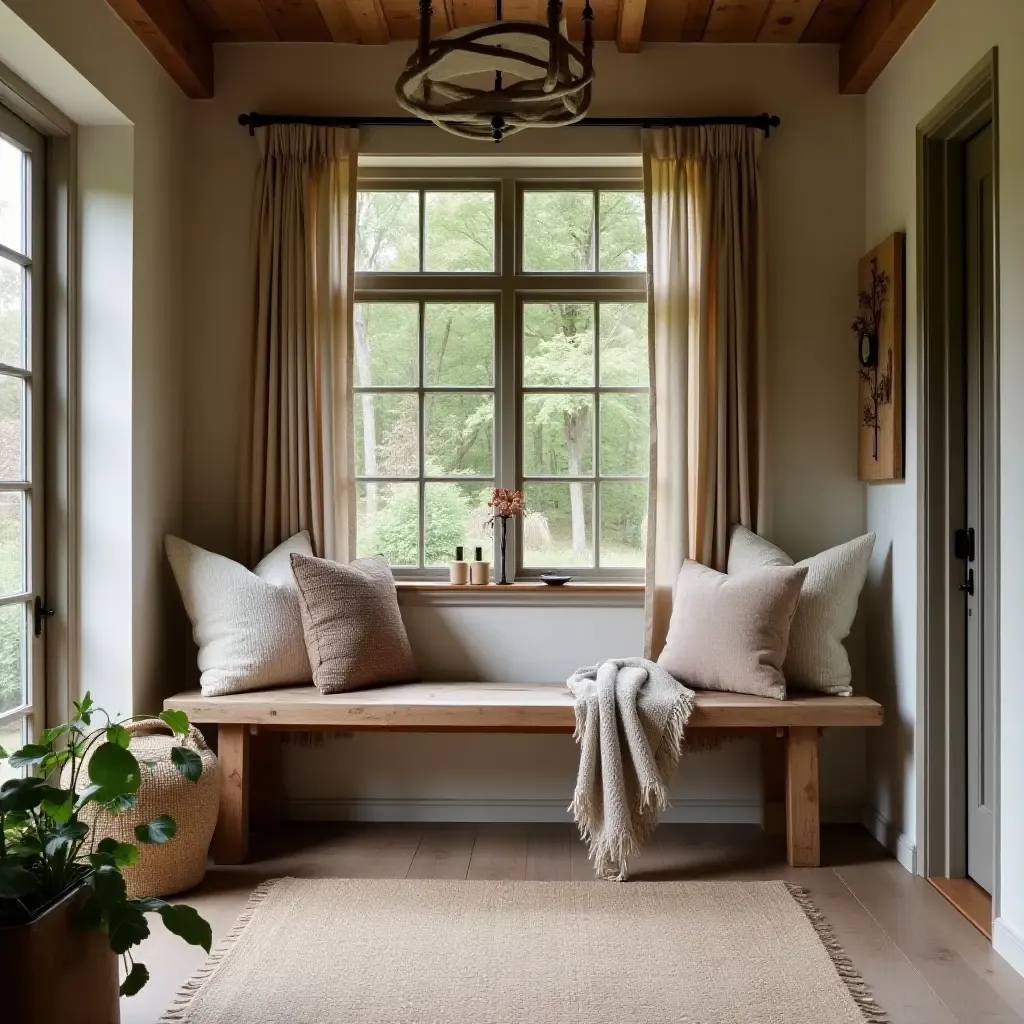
(42, 613)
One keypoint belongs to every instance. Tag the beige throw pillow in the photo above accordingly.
(731, 632)
(354, 632)
(817, 659)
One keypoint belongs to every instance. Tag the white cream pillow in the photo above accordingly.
(817, 659)
(248, 625)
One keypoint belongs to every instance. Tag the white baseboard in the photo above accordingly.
(1009, 944)
(718, 812)
(886, 832)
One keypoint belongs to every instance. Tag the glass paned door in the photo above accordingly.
(21, 526)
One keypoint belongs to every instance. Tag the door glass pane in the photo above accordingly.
(12, 661)
(387, 435)
(624, 353)
(558, 231)
(460, 434)
(558, 529)
(558, 435)
(623, 523)
(558, 344)
(388, 521)
(12, 196)
(456, 514)
(460, 232)
(623, 232)
(625, 435)
(12, 313)
(12, 422)
(459, 344)
(12, 738)
(388, 231)
(387, 344)
(12, 543)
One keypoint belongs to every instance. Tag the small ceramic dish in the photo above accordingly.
(555, 579)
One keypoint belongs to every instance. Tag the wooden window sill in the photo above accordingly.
(528, 592)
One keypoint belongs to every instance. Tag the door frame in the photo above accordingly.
(942, 752)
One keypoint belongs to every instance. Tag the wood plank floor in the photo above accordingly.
(926, 963)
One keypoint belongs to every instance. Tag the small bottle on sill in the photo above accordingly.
(459, 570)
(479, 570)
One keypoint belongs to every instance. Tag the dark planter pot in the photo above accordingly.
(55, 955)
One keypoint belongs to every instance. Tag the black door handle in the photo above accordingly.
(968, 587)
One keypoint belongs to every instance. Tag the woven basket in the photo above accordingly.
(180, 863)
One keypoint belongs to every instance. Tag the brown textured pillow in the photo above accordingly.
(732, 632)
(354, 632)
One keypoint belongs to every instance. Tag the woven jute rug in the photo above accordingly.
(362, 951)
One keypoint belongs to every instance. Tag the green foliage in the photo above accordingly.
(45, 846)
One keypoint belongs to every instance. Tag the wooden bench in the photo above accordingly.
(790, 731)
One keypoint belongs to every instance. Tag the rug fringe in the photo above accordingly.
(855, 983)
(192, 987)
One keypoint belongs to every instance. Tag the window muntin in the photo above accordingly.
(466, 384)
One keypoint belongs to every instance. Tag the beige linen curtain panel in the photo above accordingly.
(299, 474)
(707, 338)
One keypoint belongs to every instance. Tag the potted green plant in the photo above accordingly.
(65, 916)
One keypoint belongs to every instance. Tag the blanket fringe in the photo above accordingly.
(855, 983)
(183, 998)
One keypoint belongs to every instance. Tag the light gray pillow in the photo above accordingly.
(354, 632)
(817, 659)
(731, 632)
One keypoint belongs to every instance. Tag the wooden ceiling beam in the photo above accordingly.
(244, 20)
(787, 20)
(695, 20)
(297, 21)
(735, 21)
(631, 25)
(831, 21)
(173, 36)
(363, 19)
(881, 28)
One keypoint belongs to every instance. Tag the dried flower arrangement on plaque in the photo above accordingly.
(879, 330)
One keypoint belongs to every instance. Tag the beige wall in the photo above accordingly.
(813, 172)
(131, 623)
(951, 40)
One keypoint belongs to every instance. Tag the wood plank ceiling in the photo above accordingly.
(180, 33)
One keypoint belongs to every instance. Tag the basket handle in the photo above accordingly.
(145, 725)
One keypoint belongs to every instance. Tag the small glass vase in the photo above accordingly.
(503, 579)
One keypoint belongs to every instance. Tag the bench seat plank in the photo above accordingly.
(510, 707)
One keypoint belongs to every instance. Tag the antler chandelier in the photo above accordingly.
(550, 77)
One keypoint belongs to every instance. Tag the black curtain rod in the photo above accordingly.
(765, 122)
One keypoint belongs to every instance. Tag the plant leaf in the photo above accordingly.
(186, 922)
(3, 754)
(115, 770)
(188, 762)
(177, 720)
(15, 880)
(49, 735)
(119, 804)
(72, 832)
(60, 810)
(29, 756)
(150, 904)
(126, 926)
(125, 855)
(159, 830)
(107, 883)
(137, 978)
(86, 796)
(26, 794)
(119, 734)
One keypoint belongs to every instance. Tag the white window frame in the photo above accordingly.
(508, 287)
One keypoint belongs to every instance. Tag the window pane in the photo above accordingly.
(387, 344)
(625, 435)
(460, 231)
(623, 523)
(460, 434)
(558, 344)
(12, 738)
(460, 344)
(558, 435)
(387, 435)
(456, 514)
(12, 313)
(558, 231)
(12, 644)
(558, 529)
(624, 354)
(12, 409)
(623, 232)
(388, 522)
(12, 540)
(388, 231)
(12, 196)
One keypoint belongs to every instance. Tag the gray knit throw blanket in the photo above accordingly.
(630, 716)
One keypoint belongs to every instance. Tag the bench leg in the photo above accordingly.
(231, 840)
(803, 840)
(773, 784)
